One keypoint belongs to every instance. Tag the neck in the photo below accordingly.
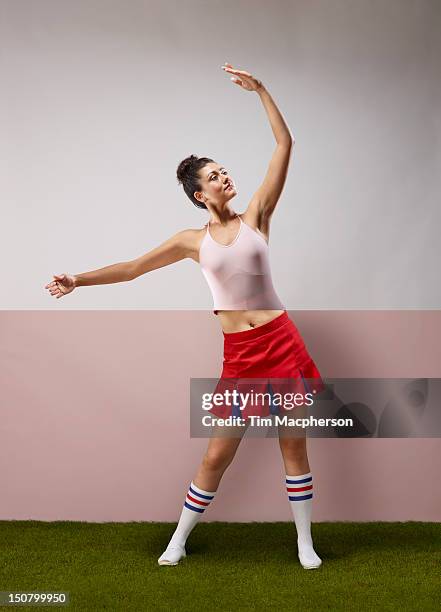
(222, 217)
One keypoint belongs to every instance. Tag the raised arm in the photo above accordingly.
(264, 200)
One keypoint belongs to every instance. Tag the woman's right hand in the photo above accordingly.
(62, 285)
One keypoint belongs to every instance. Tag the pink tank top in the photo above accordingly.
(238, 273)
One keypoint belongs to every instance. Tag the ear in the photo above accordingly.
(199, 197)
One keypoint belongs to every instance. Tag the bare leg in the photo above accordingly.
(292, 442)
(295, 455)
(218, 456)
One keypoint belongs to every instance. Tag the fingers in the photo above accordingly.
(54, 282)
(233, 71)
(229, 68)
(51, 285)
(244, 79)
(55, 289)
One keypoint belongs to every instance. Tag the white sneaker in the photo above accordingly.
(172, 555)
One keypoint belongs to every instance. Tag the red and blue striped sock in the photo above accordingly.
(300, 495)
(195, 504)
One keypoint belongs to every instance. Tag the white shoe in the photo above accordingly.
(172, 555)
(308, 558)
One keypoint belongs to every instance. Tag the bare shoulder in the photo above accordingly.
(190, 240)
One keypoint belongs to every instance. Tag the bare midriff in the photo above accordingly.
(242, 320)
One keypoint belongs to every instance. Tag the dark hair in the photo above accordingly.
(187, 174)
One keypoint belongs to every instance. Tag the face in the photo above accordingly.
(214, 181)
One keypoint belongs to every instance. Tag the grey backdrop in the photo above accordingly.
(101, 99)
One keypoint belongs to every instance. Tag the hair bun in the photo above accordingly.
(187, 173)
(185, 167)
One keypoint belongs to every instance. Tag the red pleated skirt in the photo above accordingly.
(274, 353)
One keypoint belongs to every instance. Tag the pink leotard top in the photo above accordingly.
(238, 273)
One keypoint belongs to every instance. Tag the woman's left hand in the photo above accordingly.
(243, 78)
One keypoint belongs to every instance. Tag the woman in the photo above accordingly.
(259, 338)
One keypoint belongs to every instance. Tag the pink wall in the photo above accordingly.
(95, 422)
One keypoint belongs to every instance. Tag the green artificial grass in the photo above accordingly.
(230, 566)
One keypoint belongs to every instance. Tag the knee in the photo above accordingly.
(215, 460)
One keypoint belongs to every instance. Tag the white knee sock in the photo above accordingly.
(196, 502)
(300, 493)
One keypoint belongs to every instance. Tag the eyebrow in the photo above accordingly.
(208, 175)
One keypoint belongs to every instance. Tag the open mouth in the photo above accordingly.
(229, 187)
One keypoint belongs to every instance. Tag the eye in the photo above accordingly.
(215, 176)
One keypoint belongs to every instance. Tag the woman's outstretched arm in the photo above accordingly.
(115, 273)
(172, 250)
(280, 129)
(266, 197)
(179, 246)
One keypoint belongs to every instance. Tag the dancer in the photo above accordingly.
(260, 340)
